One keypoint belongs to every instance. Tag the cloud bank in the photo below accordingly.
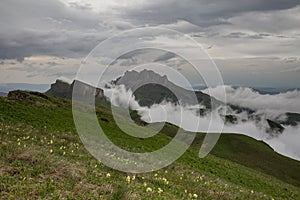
(247, 97)
(187, 118)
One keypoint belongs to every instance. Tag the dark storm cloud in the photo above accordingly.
(47, 28)
(202, 12)
(43, 43)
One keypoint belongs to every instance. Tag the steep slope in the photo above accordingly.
(251, 153)
(52, 120)
(37, 163)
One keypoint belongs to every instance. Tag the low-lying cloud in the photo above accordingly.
(247, 97)
(189, 119)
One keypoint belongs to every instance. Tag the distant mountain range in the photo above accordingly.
(161, 89)
(7, 87)
(260, 90)
(266, 90)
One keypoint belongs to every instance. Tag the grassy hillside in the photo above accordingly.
(251, 153)
(42, 157)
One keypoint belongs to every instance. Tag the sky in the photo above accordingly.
(253, 43)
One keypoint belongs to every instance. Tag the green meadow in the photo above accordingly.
(42, 157)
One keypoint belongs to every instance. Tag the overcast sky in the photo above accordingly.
(254, 43)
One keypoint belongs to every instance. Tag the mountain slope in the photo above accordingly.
(151, 88)
(159, 88)
(62, 167)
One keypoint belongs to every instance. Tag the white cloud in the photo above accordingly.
(246, 97)
(186, 117)
(229, 29)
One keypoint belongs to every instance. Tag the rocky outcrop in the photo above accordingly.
(65, 90)
(18, 95)
(25, 95)
(60, 89)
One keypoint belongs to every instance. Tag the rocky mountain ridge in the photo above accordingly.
(65, 90)
(151, 88)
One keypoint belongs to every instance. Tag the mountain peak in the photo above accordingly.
(133, 79)
(151, 88)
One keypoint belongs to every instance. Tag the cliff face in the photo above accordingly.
(60, 89)
(65, 90)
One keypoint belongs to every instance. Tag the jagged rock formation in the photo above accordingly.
(151, 88)
(133, 79)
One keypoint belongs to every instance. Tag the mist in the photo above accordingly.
(187, 117)
(247, 97)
